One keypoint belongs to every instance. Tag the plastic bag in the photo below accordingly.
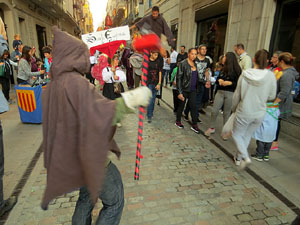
(228, 127)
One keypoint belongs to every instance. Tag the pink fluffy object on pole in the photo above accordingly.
(148, 41)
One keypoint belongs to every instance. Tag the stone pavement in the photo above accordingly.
(184, 180)
(283, 169)
(21, 142)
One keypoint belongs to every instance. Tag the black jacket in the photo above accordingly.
(8, 68)
(184, 77)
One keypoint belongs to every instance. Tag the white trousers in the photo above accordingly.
(243, 128)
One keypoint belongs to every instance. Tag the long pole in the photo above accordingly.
(141, 118)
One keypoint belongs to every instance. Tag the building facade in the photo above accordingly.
(33, 20)
(268, 24)
(87, 23)
(220, 24)
(125, 11)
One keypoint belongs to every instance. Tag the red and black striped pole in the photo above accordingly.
(141, 118)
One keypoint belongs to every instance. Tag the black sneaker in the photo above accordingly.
(186, 118)
(149, 120)
(179, 125)
(257, 157)
(195, 129)
(199, 121)
(8, 204)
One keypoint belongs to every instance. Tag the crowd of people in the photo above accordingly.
(253, 94)
(237, 85)
(22, 65)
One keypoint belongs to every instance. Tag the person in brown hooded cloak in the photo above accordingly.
(78, 128)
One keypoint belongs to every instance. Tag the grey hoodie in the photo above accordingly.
(254, 89)
(284, 91)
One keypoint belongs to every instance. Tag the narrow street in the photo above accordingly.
(184, 179)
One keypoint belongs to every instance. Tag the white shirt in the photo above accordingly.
(174, 55)
(108, 75)
(166, 65)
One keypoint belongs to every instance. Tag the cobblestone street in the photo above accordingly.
(184, 180)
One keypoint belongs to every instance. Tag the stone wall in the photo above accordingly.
(250, 22)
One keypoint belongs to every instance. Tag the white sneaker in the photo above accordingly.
(244, 163)
(119, 125)
(236, 161)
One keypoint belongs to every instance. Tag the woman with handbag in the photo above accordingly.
(113, 76)
(254, 89)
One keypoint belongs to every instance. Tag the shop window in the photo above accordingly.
(212, 32)
(286, 31)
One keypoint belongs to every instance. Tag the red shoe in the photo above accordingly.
(179, 125)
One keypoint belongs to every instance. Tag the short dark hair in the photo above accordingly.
(202, 45)
(240, 45)
(155, 8)
(47, 49)
(182, 46)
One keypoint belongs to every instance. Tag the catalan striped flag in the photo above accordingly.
(29, 103)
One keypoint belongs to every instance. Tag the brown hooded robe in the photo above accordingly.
(77, 130)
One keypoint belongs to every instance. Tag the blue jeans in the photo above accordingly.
(199, 98)
(152, 101)
(112, 196)
(165, 75)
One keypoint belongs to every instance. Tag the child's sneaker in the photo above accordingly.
(274, 148)
(266, 158)
(195, 129)
(179, 125)
(257, 157)
(209, 131)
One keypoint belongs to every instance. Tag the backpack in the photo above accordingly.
(2, 70)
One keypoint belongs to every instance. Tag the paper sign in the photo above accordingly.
(106, 36)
